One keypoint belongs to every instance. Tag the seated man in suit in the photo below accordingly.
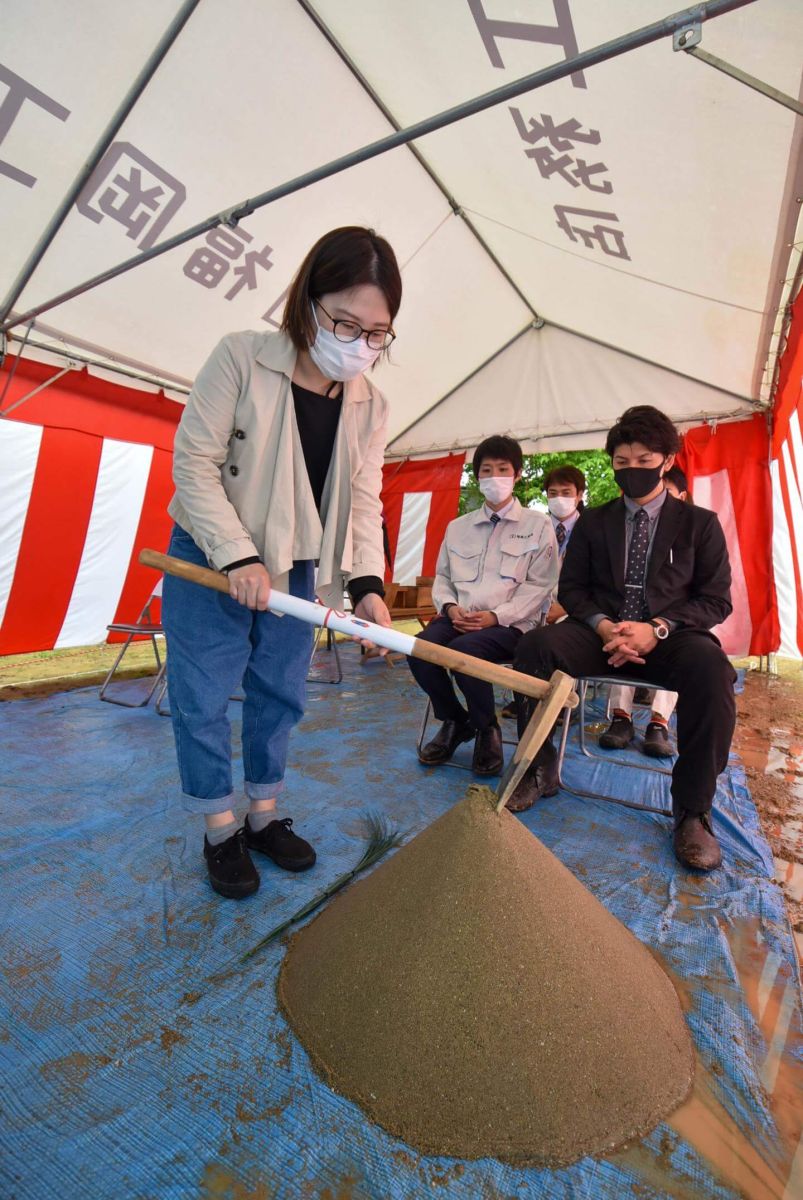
(644, 580)
(496, 569)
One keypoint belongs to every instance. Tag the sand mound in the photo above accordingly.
(476, 1000)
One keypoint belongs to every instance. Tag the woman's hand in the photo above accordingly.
(250, 586)
(373, 608)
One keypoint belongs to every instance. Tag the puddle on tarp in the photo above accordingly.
(732, 1154)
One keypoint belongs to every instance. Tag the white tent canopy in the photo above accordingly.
(642, 209)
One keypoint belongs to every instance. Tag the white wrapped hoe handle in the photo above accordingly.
(380, 635)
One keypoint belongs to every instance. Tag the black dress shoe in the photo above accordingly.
(540, 779)
(656, 741)
(695, 843)
(489, 757)
(445, 742)
(618, 735)
(231, 871)
(278, 841)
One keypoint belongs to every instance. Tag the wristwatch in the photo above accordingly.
(661, 629)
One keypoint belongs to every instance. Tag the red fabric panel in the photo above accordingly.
(81, 402)
(441, 477)
(790, 382)
(789, 399)
(742, 449)
(52, 540)
(153, 532)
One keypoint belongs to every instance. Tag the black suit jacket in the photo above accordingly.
(688, 576)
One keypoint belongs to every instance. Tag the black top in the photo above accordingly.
(317, 418)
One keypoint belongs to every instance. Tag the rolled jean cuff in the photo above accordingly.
(206, 807)
(263, 791)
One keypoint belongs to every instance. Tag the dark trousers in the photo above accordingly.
(688, 662)
(496, 644)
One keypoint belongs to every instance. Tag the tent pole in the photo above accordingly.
(587, 58)
(750, 81)
(451, 200)
(106, 138)
(112, 367)
(683, 420)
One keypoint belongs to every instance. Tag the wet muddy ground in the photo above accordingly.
(769, 741)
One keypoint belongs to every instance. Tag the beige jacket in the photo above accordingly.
(241, 481)
(510, 570)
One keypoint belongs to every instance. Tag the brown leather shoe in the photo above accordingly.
(489, 757)
(540, 779)
(445, 742)
(695, 843)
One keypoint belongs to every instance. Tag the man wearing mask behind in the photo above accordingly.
(564, 487)
(496, 571)
(645, 579)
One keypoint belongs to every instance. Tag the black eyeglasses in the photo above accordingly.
(350, 331)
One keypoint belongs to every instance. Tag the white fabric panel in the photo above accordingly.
(675, 136)
(19, 453)
(82, 62)
(553, 390)
(783, 569)
(116, 509)
(409, 560)
(457, 307)
(714, 492)
(796, 507)
(220, 121)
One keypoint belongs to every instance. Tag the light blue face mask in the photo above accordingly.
(340, 360)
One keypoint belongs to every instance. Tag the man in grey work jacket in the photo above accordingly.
(496, 569)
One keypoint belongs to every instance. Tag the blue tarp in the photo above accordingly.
(128, 1074)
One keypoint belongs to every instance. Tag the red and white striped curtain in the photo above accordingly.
(419, 499)
(787, 488)
(85, 478)
(728, 471)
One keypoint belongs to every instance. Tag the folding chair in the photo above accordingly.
(144, 626)
(582, 684)
(331, 645)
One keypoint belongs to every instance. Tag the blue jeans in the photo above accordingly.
(215, 644)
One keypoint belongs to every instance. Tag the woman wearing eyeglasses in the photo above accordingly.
(277, 467)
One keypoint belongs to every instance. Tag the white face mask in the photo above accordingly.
(497, 488)
(561, 506)
(340, 360)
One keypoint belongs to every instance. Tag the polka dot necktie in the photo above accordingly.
(560, 534)
(633, 606)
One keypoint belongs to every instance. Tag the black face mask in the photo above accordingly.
(638, 481)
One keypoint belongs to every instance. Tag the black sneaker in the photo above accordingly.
(231, 871)
(278, 841)
(656, 741)
(618, 735)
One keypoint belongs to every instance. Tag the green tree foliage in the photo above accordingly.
(595, 465)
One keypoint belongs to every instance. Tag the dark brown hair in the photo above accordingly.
(647, 425)
(499, 447)
(343, 258)
(567, 474)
